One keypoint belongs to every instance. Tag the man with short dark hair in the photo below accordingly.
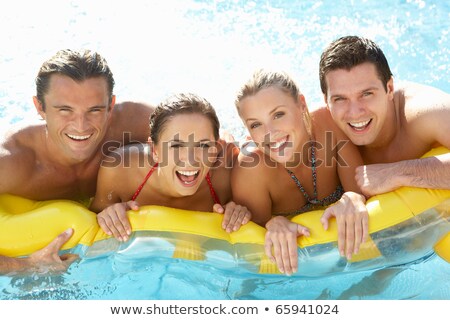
(59, 158)
(392, 127)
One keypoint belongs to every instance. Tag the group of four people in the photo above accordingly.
(88, 146)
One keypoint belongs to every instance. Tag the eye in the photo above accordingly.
(64, 109)
(254, 125)
(205, 145)
(367, 94)
(96, 109)
(338, 99)
(175, 145)
(278, 115)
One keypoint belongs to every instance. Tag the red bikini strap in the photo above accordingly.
(211, 189)
(143, 183)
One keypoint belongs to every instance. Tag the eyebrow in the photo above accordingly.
(271, 112)
(371, 88)
(70, 107)
(182, 141)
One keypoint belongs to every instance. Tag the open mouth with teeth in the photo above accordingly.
(360, 126)
(78, 138)
(187, 178)
(279, 145)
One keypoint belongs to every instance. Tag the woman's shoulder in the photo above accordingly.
(253, 161)
(324, 127)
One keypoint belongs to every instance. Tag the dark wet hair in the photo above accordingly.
(350, 51)
(183, 103)
(78, 65)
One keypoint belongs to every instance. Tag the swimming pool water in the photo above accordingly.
(173, 279)
(209, 47)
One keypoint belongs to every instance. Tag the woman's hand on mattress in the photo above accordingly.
(281, 243)
(114, 220)
(234, 215)
(352, 222)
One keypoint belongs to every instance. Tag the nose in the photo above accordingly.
(355, 109)
(270, 133)
(189, 156)
(80, 122)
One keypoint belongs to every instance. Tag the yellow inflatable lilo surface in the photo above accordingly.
(405, 225)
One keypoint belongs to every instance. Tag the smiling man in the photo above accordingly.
(59, 158)
(392, 127)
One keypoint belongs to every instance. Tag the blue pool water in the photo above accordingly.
(209, 47)
(116, 277)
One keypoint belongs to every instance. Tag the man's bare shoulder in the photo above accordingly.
(130, 122)
(418, 99)
(22, 137)
(425, 112)
(19, 147)
(130, 107)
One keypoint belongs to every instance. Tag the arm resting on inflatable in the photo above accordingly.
(431, 173)
(42, 261)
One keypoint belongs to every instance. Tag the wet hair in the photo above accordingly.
(263, 79)
(183, 103)
(78, 65)
(350, 51)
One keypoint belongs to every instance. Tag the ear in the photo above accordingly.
(326, 101)
(112, 104)
(153, 149)
(390, 88)
(39, 107)
(302, 102)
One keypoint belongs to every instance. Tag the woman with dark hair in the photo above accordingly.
(176, 169)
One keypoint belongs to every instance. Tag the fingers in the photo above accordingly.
(114, 221)
(285, 251)
(302, 231)
(217, 208)
(278, 252)
(235, 216)
(361, 228)
(68, 258)
(352, 223)
(350, 226)
(268, 247)
(358, 231)
(346, 234)
(281, 244)
(60, 240)
(336, 211)
(133, 205)
(328, 213)
(365, 226)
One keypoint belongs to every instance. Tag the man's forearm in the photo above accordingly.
(12, 265)
(433, 172)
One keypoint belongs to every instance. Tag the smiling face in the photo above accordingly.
(274, 121)
(77, 116)
(359, 103)
(185, 151)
